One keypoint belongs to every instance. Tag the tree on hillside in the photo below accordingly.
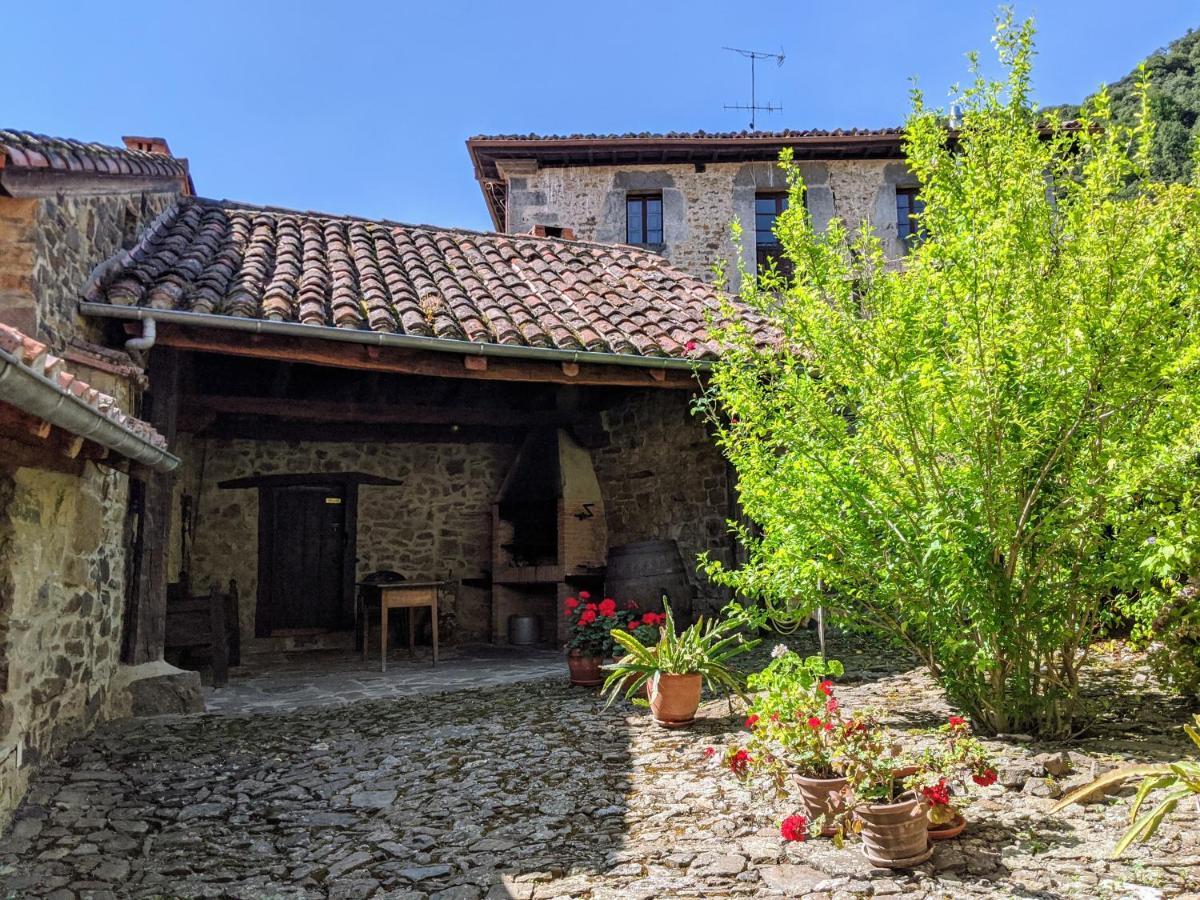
(1174, 94)
(976, 454)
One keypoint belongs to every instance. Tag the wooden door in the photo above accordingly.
(304, 558)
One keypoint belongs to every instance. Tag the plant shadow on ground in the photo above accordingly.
(482, 791)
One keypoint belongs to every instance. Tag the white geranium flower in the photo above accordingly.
(779, 650)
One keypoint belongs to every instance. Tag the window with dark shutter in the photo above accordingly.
(909, 207)
(767, 207)
(644, 219)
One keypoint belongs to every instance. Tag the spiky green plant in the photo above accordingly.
(706, 648)
(1181, 779)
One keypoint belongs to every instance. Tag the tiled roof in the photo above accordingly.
(222, 258)
(26, 152)
(36, 357)
(786, 134)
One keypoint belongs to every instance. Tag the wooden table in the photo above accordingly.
(410, 595)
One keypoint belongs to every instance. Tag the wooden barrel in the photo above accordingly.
(643, 572)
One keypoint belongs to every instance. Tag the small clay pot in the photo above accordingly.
(822, 797)
(951, 829)
(585, 670)
(896, 835)
(674, 699)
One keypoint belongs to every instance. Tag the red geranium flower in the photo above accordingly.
(832, 705)
(829, 726)
(987, 777)
(570, 603)
(958, 722)
(740, 762)
(587, 617)
(827, 687)
(709, 751)
(632, 626)
(689, 346)
(608, 607)
(814, 723)
(794, 828)
(751, 721)
(937, 794)
(584, 595)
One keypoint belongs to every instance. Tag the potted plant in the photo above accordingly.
(1180, 779)
(941, 776)
(677, 666)
(797, 736)
(589, 640)
(891, 817)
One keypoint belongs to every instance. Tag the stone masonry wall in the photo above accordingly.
(48, 248)
(662, 477)
(437, 522)
(62, 594)
(698, 207)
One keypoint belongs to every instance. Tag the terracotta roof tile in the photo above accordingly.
(24, 149)
(218, 257)
(36, 356)
(786, 134)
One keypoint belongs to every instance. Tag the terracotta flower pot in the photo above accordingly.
(896, 835)
(821, 797)
(951, 829)
(585, 670)
(674, 699)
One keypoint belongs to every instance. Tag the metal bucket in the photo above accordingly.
(523, 631)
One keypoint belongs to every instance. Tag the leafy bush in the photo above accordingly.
(974, 452)
(1168, 626)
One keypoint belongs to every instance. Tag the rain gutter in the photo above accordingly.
(387, 339)
(38, 396)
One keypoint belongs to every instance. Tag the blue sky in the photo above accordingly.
(363, 108)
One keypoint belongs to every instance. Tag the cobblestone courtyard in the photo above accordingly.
(533, 790)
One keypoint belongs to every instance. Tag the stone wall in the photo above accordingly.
(698, 207)
(437, 523)
(62, 594)
(48, 248)
(662, 477)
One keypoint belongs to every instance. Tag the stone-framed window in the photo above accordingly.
(909, 206)
(767, 207)
(644, 219)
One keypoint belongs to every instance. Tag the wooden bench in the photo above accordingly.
(205, 627)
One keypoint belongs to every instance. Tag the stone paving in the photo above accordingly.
(285, 682)
(534, 790)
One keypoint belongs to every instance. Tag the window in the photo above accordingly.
(644, 219)
(908, 207)
(767, 208)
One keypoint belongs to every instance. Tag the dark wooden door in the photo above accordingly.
(303, 558)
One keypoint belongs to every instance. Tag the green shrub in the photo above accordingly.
(975, 452)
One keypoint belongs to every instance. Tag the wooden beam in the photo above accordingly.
(475, 363)
(201, 407)
(146, 611)
(257, 481)
(18, 455)
(346, 355)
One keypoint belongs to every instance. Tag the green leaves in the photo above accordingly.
(972, 451)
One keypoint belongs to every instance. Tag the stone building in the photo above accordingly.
(676, 194)
(69, 452)
(329, 398)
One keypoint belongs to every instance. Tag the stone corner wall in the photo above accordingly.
(48, 248)
(663, 477)
(62, 595)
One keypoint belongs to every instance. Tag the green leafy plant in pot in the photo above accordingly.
(942, 773)
(891, 817)
(589, 636)
(677, 666)
(797, 729)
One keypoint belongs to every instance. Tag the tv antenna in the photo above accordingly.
(754, 56)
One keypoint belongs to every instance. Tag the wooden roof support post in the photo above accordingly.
(146, 611)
